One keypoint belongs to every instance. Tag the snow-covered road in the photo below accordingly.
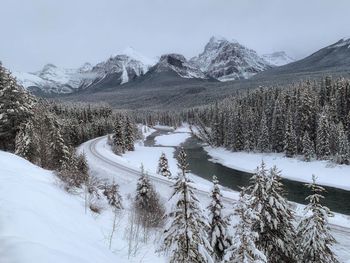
(101, 160)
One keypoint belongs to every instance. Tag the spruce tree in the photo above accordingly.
(26, 142)
(217, 223)
(323, 136)
(343, 151)
(315, 240)
(243, 248)
(129, 134)
(163, 167)
(263, 142)
(308, 148)
(278, 123)
(113, 196)
(118, 137)
(275, 224)
(15, 108)
(185, 237)
(147, 202)
(290, 143)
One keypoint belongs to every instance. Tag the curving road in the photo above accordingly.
(341, 233)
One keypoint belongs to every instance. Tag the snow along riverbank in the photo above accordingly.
(329, 174)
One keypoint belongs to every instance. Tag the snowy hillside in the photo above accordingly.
(278, 58)
(228, 60)
(41, 222)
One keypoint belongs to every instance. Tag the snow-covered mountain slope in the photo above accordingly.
(178, 64)
(226, 60)
(51, 79)
(278, 58)
(330, 60)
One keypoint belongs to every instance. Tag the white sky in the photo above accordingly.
(70, 32)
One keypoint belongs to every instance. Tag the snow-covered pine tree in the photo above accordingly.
(323, 136)
(129, 134)
(217, 223)
(60, 152)
(185, 239)
(314, 235)
(147, 203)
(290, 143)
(26, 142)
(274, 227)
(263, 141)
(343, 151)
(118, 137)
(163, 166)
(308, 148)
(15, 108)
(113, 196)
(278, 123)
(243, 248)
(216, 127)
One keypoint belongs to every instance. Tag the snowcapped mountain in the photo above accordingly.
(52, 79)
(278, 58)
(228, 60)
(178, 64)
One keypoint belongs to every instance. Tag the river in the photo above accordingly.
(336, 199)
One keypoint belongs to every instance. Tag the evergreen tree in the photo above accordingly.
(314, 235)
(185, 238)
(343, 151)
(277, 129)
(60, 153)
(147, 202)
(263, 142)
(323, 136)
(129, 134)
(275, 224)
(290, 144)
(118, 138)
(163, 167)
(217, 223)
(113, 196)
(26, 142)
(308, 148)
(243, 248)
(15, 108)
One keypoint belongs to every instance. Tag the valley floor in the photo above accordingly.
(41, 222)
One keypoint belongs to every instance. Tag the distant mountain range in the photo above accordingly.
(221, 60)
(131, 81)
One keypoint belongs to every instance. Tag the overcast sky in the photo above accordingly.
(70, 32)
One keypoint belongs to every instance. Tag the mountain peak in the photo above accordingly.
(278, 58)
(132, 53)
(225, 60)
(341, 43)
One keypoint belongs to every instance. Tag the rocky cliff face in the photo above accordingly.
(228, 60)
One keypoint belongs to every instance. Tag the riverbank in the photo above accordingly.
(328, 174)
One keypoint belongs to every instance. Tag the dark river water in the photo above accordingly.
(337, 200)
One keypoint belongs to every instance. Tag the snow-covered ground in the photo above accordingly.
(40, 222)
(327, 173)
(174, 139)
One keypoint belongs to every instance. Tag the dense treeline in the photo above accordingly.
(46, 133)
(310, 119)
